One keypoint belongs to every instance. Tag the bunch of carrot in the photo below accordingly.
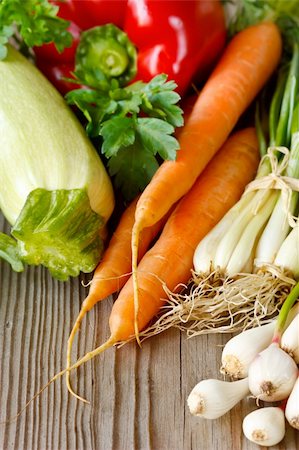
(201, 184)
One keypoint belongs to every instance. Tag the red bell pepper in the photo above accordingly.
(82, 14)
(177, 37)
(180, 38)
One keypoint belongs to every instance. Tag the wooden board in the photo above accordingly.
(137, 396)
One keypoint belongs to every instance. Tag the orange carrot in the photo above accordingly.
(247, 63)
(114, 269)
(169, 261)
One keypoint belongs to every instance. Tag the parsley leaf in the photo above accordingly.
(117, 133)
(35, 22)
(136, 125)
(160, 100)
(154, 135)
(132, 168)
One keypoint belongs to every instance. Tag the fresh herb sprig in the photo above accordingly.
(33, 22)
(135, 122)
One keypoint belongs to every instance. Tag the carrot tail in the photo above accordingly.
(70, 341)
(87, 357)
(114, 269)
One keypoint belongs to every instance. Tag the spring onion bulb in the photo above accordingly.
(211, 399)
(278, 227)
(292, 407)
(247, 241)
(272, 374)
(204, 256)
(290, 340)
(275, 232)
(240, 351)
(287, 257)
(265, 426)
(216, 249)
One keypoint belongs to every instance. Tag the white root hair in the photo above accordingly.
(214, 303)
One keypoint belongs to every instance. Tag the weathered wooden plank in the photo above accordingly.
(138, 396)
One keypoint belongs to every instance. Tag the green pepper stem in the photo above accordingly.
(105, 53)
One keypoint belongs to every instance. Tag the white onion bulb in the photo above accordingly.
(241, 350)
(292, 407)
(290, 339)
(211, 399)
(272, 374)
(265, 426)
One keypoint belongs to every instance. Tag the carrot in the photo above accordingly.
(114, 269)
(169, 261)
(247, 63)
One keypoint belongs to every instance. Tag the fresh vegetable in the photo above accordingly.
(287, 257)
(211, 399)
(181, 39)
(240, 350)
(229, 90)
(173, 37)
(265, 426)
(114, 269)
(231, 250)
(290, 339)
(82, 15)
(169, 261)
(33, 21)
(272, 374)
(258, 224)
(55, 191)
(135, 122)
(105, 58)
(292, 406)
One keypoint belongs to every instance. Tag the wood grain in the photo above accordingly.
(138, 396)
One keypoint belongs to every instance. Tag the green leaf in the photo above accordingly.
(9, 252)
(130, 105)
(117, 133)
(154, 134)
(132, 169)
(59, 230)
(159, 82)
(96, 107)
(159, 99)
(35, 22)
